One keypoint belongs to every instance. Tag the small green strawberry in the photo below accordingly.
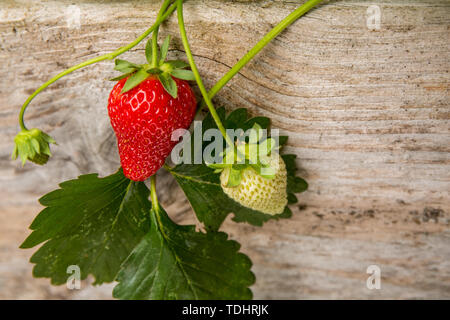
(257, 192)
(32, 145)
(254, 174)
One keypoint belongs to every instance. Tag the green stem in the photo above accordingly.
(286, 22)
(108, 56)
(198, 79)
(155, 204)
(155, 48)
(155, 35)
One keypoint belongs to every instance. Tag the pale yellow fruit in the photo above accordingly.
(258, 193)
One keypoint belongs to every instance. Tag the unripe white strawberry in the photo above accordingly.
(259, 193)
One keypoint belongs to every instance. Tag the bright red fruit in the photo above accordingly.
(144, 119)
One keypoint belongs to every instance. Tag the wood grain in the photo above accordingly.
(367, 113)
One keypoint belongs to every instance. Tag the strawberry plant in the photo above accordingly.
(115, 229)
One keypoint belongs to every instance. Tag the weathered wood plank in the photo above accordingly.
(367, 113)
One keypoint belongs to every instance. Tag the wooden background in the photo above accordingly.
(367, 113)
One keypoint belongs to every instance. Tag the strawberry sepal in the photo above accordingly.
(254, 154)
(164, 70)
(32, 145)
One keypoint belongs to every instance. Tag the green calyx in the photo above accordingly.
(159, 67)
(32, 145)
(247, 154)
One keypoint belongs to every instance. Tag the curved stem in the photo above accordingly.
(198, 79)
(300, 11)
(108, 56)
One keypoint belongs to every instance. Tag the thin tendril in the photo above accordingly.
(108, 56)
(286, 22)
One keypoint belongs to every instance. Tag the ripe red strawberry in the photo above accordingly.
(144, 118)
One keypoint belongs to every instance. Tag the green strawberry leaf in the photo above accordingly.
(164, 50)
(234, 179)
(183, 74)
(125, 66)
(90, 222)
(178, 64)
(268, 172)
(148, 51)
(201, 183)
(282, 140)
(169, 84)
(135, 80)
(154, 70)
(176, 262)
(236, 119)
(123, 76)
(294, 184)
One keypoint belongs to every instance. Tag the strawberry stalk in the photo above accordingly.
(286, 22)
(155, 35)
(207, 96)
(194, 69)
(153, 196)
(156, 209)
